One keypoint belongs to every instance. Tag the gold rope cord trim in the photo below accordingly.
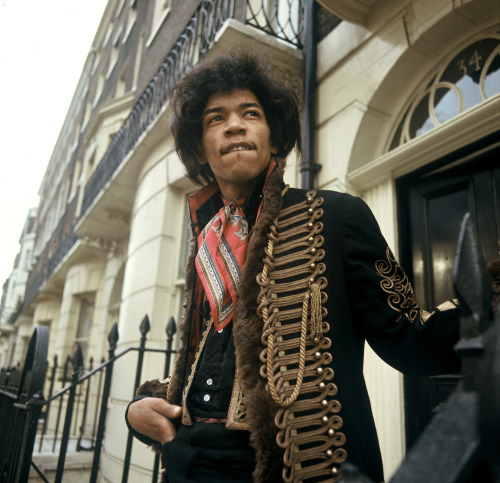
(296, 360)
(236, 415)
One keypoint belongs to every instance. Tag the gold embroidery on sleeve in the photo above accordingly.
(396, 284)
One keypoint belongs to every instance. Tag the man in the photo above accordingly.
(283, 287)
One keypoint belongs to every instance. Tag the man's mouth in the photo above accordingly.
(238, 146)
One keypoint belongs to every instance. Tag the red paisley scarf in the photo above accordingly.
(221, 256)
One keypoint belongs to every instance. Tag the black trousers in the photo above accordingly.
(209, 453)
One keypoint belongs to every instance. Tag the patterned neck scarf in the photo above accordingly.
(221, 255)
(222, 249)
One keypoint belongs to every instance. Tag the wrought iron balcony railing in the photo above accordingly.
(279, 18)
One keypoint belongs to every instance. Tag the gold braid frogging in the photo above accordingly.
(290, 303)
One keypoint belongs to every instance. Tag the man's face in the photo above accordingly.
(236, 141)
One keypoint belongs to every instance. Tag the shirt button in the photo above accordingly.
(206, 397)
(210, 381)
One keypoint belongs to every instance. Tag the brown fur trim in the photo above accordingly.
(260, 408)
(174, 395)
(155, 388)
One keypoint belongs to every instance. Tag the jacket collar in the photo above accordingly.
(207, 201)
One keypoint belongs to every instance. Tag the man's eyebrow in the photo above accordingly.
(244, 105)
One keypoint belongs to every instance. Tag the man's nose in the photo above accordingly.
(235, 124)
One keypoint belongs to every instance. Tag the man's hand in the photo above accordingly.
(151, 417)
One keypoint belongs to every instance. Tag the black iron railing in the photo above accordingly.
(282, 19)
(78, 410)
(20, 408)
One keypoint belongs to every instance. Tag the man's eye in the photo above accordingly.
(253, 113)
(214, 119)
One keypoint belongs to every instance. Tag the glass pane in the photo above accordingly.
(492, 81)
(444, 216)
(420, 121)
(396, 140)
(446, 104)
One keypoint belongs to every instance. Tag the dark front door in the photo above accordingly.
(431, 207)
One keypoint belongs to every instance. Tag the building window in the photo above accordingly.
(121, 86)
(88, 110)
(85, 326)
(119, 9)
(108, 34)
(90, 166)
(99, 88)
(115, 51)
(469, 78)
(131, 19)
(75, 178)
(160, 13)
(27, 260)
(96, 61)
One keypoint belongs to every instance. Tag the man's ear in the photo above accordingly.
(274, 149)
(201, 156)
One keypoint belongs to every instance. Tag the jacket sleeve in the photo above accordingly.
(382, 300)
(154, 388)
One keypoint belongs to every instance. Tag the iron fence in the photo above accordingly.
(71, 419)
(20, 407)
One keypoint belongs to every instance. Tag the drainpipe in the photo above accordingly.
(308, 167)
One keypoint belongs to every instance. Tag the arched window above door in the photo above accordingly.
(469, 78)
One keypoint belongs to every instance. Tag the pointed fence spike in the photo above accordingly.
(77, 358)
(145, 326)
(470, 276)
(171, 327)
(113, 335)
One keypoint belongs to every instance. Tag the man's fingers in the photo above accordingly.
(151, 417)
(165, 409)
